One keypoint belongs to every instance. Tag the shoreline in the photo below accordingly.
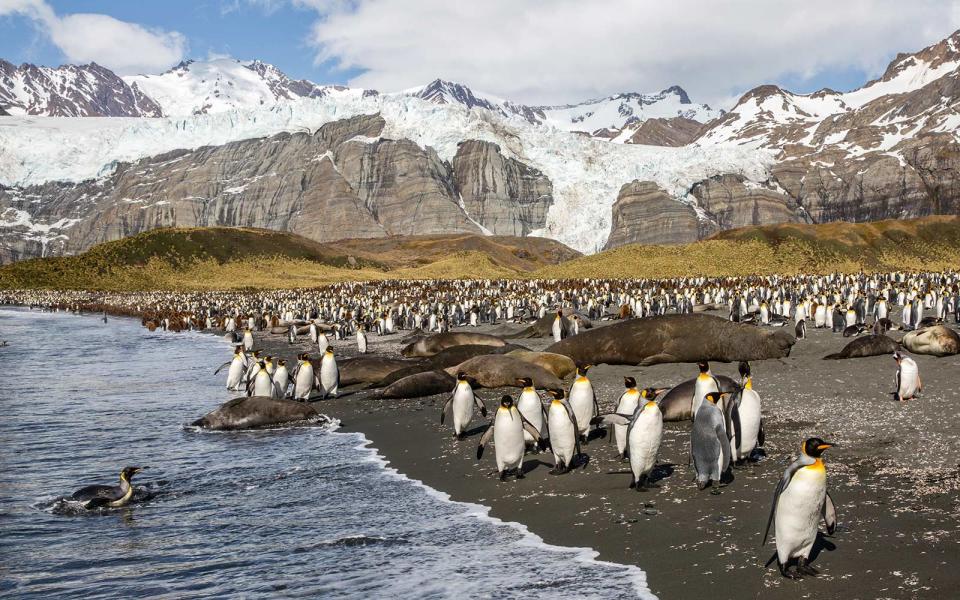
(895, 476)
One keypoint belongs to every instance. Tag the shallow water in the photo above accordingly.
(297, 512)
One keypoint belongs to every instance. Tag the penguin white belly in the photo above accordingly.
(361, 342)
(508, 439)
(705, 384)
(263, 385)
(329, 377)
(798, 512)
(280, 380)
(749, 424)
(235, 375)
(851, 318)
(248, 341)
(882, 311)
(529, 406)
(581, 400)
(304, 385)
(323, 343)
(462, 407)
(820, 316)
(644, 441)
(909, 379)
(563, 439)
(557, 330)
(626, 406)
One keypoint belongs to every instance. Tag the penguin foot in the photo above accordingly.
(458, 436)
(702, 485)
(520, 474)
(715, 492)
(804, 567)
(503, 475)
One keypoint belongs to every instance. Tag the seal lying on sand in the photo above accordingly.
(495, 370)
(427, 383)
(257, 411)
(935, 341)
(434, 344)
(450, 357)
(558, 364)
(868, 345)
(677, 404)
(674, 338)
(368, 369)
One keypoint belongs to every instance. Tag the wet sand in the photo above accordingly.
(895, 476)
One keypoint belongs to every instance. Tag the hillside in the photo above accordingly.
(231, 258)
(915, 244)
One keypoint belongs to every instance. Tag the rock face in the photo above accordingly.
(731, 201)
(503, 195)
(70, 91)
(343, 181)
(678, 131)
(645, 214)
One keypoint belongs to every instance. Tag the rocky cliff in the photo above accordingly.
(343, 181)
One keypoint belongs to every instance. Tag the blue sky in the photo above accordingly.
(527, 50)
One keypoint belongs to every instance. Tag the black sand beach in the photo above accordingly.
(894, 476)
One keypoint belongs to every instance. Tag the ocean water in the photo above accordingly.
(302, 512)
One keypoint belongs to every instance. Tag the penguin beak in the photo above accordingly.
(825, 446)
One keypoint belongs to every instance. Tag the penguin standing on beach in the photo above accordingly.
(750, 421)
(907, 379)
(247, 339)
(461, 405)
(801, 329)
(238, 366)
(304, 378)
(583, 400)
(564, 433)
(532, 409)
(261, 384)
(506, 431)
(644, 431)
(559, 327)
(329, 375)
(627, 404)
(362, 339)
(705, 384)
(800, 501)
(292, 334)
(709, 444)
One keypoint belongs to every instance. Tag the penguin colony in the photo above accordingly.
(727, 426)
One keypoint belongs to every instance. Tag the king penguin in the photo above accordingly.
(506, 431)
(709, 444)
(532, 409)
(644, 431)
(583, 400)
(799, 502)
(329, 375)
(564, 433)
(908, 378)
(705, 384)
(626, 405)
(461, 404)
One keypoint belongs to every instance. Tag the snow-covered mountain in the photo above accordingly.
(70, 91)
(201, 87)
(615, 117)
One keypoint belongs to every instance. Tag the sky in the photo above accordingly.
(532, 51)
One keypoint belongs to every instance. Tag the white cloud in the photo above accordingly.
(565, 50)
(119, 45)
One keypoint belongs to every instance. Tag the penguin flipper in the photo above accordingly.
(611, 419)
(446, 407)
(479, 403)
(724, 447)
(529, 428)
(761, 435)
(829, 513)
(484, 440)
(220, 368)
(737, 428)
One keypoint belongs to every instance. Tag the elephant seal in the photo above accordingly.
(674, 339)
(868, 345)
(496, 370)
(445, 358)
(935, 341)
(418, 385)
(558, 364)
(430, 346)
(368, 369)
(258, 411)
(677, 403)
(543, 327)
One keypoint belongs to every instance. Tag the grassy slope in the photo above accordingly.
(927, 243)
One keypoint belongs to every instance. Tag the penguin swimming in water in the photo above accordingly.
(583, 401)
(100, 496)
(907, 379)
(644, 431)
(709, 444)
(532, 409)
(461, 404)
(564, 433)
(800, 501)
(506, 431)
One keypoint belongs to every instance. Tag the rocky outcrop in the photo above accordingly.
(678, 131)
(645, 214)
(731, 201)
(342, 181)
(503, 195)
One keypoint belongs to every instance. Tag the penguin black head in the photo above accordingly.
(629, 383)
(714, 397)
(559, 312)
(582, 370)
(744, 369)
(525, 382)
(651, 393)
(128, 472)
(282, 362)
(897, 357)
(814, 447)
(703, 366)
(461, 376)
(557, 394)
(506, 401)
